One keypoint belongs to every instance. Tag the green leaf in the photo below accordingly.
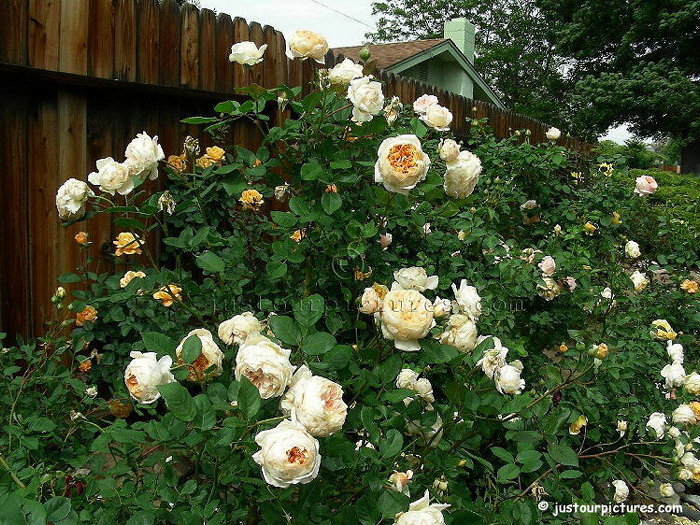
(309, 310)
(248, 398)
(392, 445)
(563, 454)
(311, 171)
(331, 202)
(503, 454)
(570, 474)
(299, 206)
(178, 401)
(158, 343)
(191, 349)
(318, 343)
(285, 329)
(283, 218)
(57, 508)
(211, 262)
(508, 472)
(276, 269)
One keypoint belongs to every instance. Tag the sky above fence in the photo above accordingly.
(344, 29)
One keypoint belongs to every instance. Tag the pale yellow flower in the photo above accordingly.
(616, 219)
(216, 153)
(167, 295)
(298, 235)
(590, 228)
(251, 199)
(606, 169)
(129, 276)
(601, 351)
(689, 286)
(127, 244)
(576, 427)
(205, 161)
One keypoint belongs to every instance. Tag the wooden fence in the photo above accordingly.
(79, 79)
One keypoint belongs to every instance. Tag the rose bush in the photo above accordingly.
(397, 313)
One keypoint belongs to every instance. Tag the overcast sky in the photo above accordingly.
(289, 15)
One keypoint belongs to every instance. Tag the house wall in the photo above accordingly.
(447, 75)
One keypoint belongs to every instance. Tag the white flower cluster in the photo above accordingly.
(432, 113)
(505, 375)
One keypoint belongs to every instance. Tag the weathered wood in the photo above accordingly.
(101, 39)
(189, 52)
(207, 50)
(224, 41)
(170, 41)
(74, 36)
(13, 37)
(43, 33)
(125, 40)
(148, 17)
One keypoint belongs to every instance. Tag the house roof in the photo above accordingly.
(388, 55)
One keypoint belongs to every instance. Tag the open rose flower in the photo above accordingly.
(645, 185)
(288, 454)
(674, 374)
(366, 97)
(87, 315)
(422, 103)
(547, 265)
(142, 156)
(265, 364)
(247, 53)
(437, 117)
(144, 374)
(553, 134)
(209, 360)
(661, 330)
(448, 150)
(460, 332)
(622, 491)
(401, 163)
(237, 329)
(632, 250)
(494, 358)
(71, 198)
(127, 243)
(372, 299)
(639, 280)
(344, 72)
(422, 512)
(406, 317)
(316, 402)
(508, 380)
(130, 276)
(112, 176)
(167, 295)
(657, 422)
(307, 44)
(467, 300)
(462, 175)
(415, 278)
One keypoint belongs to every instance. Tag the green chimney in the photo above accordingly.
(462, 32)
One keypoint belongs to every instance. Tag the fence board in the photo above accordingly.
(13, 37)
(207, 50)
(148, 41)
(125, 40)
(43, 33)
(101, 39)
(74, 36)
(224, 41)
(189, 53)
(170, 42)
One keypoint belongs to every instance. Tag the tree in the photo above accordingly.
(513, 51)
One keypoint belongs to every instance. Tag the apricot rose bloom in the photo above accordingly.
(251, 199)
(406, 317)
(129, 276)
(167, 295)
(127, 243)
(401, 163)
(88, 314)
(307, 44)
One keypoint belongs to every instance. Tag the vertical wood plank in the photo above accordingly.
(13, 37)
(148, 41)
(170, 41)
(189, 53)
(43, 33)
(224, 41)
(74, 36)
(101, 39)
(256, 35)
(207, 50)
(125, 35)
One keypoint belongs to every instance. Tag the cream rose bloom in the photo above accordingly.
(210, 356)
(71, 198)
(366, 97)
(467, 300)
(238, 328)
(401, 163)
(448, 150)
(462, 176)
(632, 249)
(692, 383)
(684, 415)
(508, 380)
(645, 185)
(406, 379)
(441, 307)
(288, 454)
(406, 317)
(553, 134)
(548, 265)
(247, 53)
(675, 351)
(130, 276)
(662, 330)
(437, 117)
(307, 44)
(372, 299)
(666, 490)
(494, 358)
(460, 332)
(422, 103)
(415, 278)
(142, 156)
(422, 512)
(344, 72)
(112, 176)
(621, 427)
(549, 290)
(316, 402)
(674, 374)
(145, 373)
(622, 491)
(639, 280)
(265, 364)
(656, 422)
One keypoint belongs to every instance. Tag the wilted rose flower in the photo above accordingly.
(426, 436)
(494, 358)
(547, 265)
(666, 490)
(401, 163)
(639, 280)
(462, 175)
(167, 295)
(684, 415)
(622, 491)
(166, 203)
(656, 422)
(590, 228)
(662, 330)
(129, 276)
(127, 243)
(674, 374)
(553, 134)
(399, 481)
(576, 427)
(112, 176)
(422, 103)
(645, 185)
(366, 97)
(385, 240)
(144, 374)
(437, 117)
(283, 192)
(616, 220)
(508, 379)
(622, 427)
(288, 454)
(632, 249)
(460, 332)
(307, 44)
(71, 198)
(210, 358)
(316, 402)
(415, 278)
(237, 329)
(692, 383)
(571, 283)
(177, 163)
(142, 156)
(392, 110)
(298, 235)
(247, 53)
(265, 364)
(441, 307)
(87, 315)
(406, 317)
(449, 150)
(467, 300)
(675, 351)
(372, 299)
(422, 512)
(344, 72)
(557, 229)
(549, 290)
(528, 205)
